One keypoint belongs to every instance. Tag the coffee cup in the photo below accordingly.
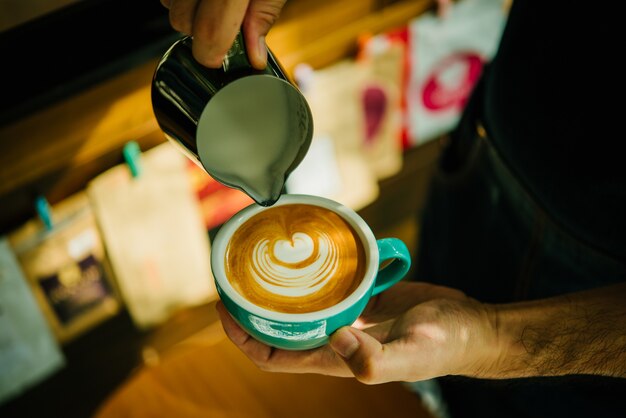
(293, 273)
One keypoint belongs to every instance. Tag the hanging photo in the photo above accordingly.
(67, 268)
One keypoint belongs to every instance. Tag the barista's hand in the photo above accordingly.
(412, 331)
(443, 7)
(214, 25)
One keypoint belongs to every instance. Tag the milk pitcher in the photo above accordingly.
(247, 128)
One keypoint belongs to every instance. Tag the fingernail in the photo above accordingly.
(344, 343)
(262, 50)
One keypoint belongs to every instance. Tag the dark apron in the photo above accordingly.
(483, 233)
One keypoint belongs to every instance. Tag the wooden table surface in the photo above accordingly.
(207, 376)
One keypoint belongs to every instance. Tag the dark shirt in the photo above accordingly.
(553, 107)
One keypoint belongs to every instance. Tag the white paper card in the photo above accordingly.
(447, 56)
(28, 349)
(318, 173)
(333, 94)
(155, 235)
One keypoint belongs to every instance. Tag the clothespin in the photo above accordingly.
(132, 154)
(43, 210)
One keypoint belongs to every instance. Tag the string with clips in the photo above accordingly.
(131, 153)
(132, 156)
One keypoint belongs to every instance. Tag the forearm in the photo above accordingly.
(579, 333)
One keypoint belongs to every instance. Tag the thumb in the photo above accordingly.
(370, 361)
(260, 17)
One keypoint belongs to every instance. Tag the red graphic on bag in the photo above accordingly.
(374, 100)
(451, 81)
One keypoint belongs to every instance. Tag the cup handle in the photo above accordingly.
(395, 250)
(237, 56)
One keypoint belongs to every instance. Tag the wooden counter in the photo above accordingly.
(207, 376)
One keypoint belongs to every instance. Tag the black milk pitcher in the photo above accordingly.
(249, 129)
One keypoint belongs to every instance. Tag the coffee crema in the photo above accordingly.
(295, 258)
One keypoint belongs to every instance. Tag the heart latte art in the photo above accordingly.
(295, 258)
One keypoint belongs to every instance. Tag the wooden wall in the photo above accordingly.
(58, 149)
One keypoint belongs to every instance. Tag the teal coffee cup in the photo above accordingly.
(293, 273)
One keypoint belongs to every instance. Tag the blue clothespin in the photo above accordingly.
(43, 210)
(132, 154)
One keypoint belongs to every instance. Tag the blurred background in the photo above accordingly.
(106, 295)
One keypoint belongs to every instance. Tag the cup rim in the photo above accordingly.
(218, 250)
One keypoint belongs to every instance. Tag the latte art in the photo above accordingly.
(295, 258)
(295, 268)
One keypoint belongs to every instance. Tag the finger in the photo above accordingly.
(388, 304)
(391, 302)
(231, 327)
(215, 27)
(402, 297)
(371, 305)
(380, 330)
(370, 361)
(321, 361)
(385, 306)
(181, 14)
(443, 8)
(255, 350)
(324, 360)
(362, 323)
(259, 18)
